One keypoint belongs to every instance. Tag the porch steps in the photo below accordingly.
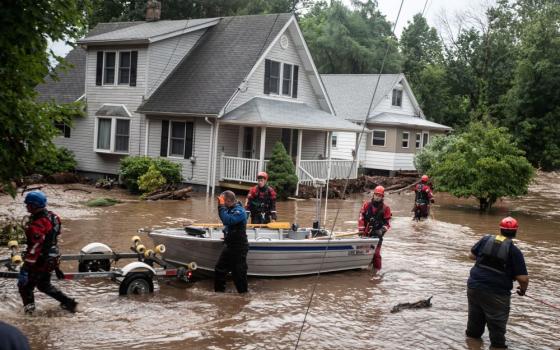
(236, 185)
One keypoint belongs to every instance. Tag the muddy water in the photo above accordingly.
(348, 310)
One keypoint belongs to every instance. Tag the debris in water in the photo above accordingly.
(417, 305)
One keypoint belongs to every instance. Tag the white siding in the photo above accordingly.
(255, 85)
(197, 173)
(313, 144)
(345, 143)
(389, 161)
(385, 105)
(165, 55)
(82, 139)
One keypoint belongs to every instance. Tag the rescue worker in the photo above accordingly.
(498, 263)
(423, 199)
(234, 254)
(374, 221)
(261, 201)
(42, 254)
(12, 338)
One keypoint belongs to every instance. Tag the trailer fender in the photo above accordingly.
(98, 248)
(137, 266)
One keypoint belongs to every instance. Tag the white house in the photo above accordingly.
(397, 124)
(212, 94)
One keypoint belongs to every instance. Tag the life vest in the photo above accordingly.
(375, 220)
(421, 194)
(494, 254)
(262, 199)
(50, 254)
(236, 234)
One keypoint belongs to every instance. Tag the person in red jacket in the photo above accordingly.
(261, 201)
(374, 221)
(42, 254)
(423, 199)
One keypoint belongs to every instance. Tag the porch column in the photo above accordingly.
(298, 157)
(329, 144)
(261, 153)
(215, 153)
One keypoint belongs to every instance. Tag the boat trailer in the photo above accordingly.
(95, 261)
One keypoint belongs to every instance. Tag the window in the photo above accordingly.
(418, 140)
(116, 67)
(124, 68)
(64, 129)
(109, 71)
(397, 97)
(176, 139)
(287, 80)
(334, 140)
(425, 137)
(113, 135)
(378, 138)
(405, 137)
(274, 77)
(280, 78)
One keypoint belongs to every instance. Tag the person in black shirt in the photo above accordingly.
(498, 263)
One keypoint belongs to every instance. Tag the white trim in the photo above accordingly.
(113, 134)
(407, 139)
(147, 136)
(384, 137)
(80, 98)
(117, 68)
(418, 141)
(117, 105)
(184, 30)
(428, 134)
(241, 141)
(412, 97)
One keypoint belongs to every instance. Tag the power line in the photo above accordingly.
(347, 179)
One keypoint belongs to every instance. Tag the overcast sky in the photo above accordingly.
(433, 11)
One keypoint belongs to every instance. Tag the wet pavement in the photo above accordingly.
(348, 310)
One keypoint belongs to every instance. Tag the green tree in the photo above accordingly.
(26, 126)
(420, 46)
(483, 162)
(151, 180)
(433, 153)
(281, 172)
(533, 103)
(344, 40)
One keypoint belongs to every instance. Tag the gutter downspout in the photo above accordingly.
(209, 154)
(215, 155)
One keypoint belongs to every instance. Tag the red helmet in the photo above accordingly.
(379, 190)
(509, 223)
(425, 178)
(262, 174)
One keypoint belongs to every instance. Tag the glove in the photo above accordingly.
(221, 201)
(383, 230)
(520, 291)
(23, 278)
(59, 274)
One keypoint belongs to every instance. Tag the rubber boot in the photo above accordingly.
(71, 305)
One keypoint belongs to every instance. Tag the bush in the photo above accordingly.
(62, 160)
(151, 180)
(281, 172)
(12, 229)
(132, 168)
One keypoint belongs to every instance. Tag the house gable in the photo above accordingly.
(287, 48)
(408, 106)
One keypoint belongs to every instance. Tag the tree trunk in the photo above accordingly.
(484, 205)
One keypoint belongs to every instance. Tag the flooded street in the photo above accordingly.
(348, 310)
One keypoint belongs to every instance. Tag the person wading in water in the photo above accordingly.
(374, 221)
(423, 199)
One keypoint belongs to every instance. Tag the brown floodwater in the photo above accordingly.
(348, 311)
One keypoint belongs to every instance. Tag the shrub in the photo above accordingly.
(281, 172)
(132, 168)
(62, 160)
(151, 180)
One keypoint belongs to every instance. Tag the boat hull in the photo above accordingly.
(271, 257)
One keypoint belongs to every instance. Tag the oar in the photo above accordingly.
(273, 225)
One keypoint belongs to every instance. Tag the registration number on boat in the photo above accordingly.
(360, 250)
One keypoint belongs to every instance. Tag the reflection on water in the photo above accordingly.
(348, 310)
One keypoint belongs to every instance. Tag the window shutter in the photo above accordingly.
(189, 140)
(294, 87)
(99, 70)
(164, 137)
(66, 131)
(267, 77)
(133, 64)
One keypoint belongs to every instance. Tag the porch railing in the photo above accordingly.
(339, 168)
(246, 169)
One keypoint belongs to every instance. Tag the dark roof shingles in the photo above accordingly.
(204, 81)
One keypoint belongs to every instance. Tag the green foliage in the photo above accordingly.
(26, 126)
(433, 153)
(281, 172)
(483, 162)
(132, 168)
(151, 180)
(12, 229)
(344, 40)
(102, 202)
(61, 160)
